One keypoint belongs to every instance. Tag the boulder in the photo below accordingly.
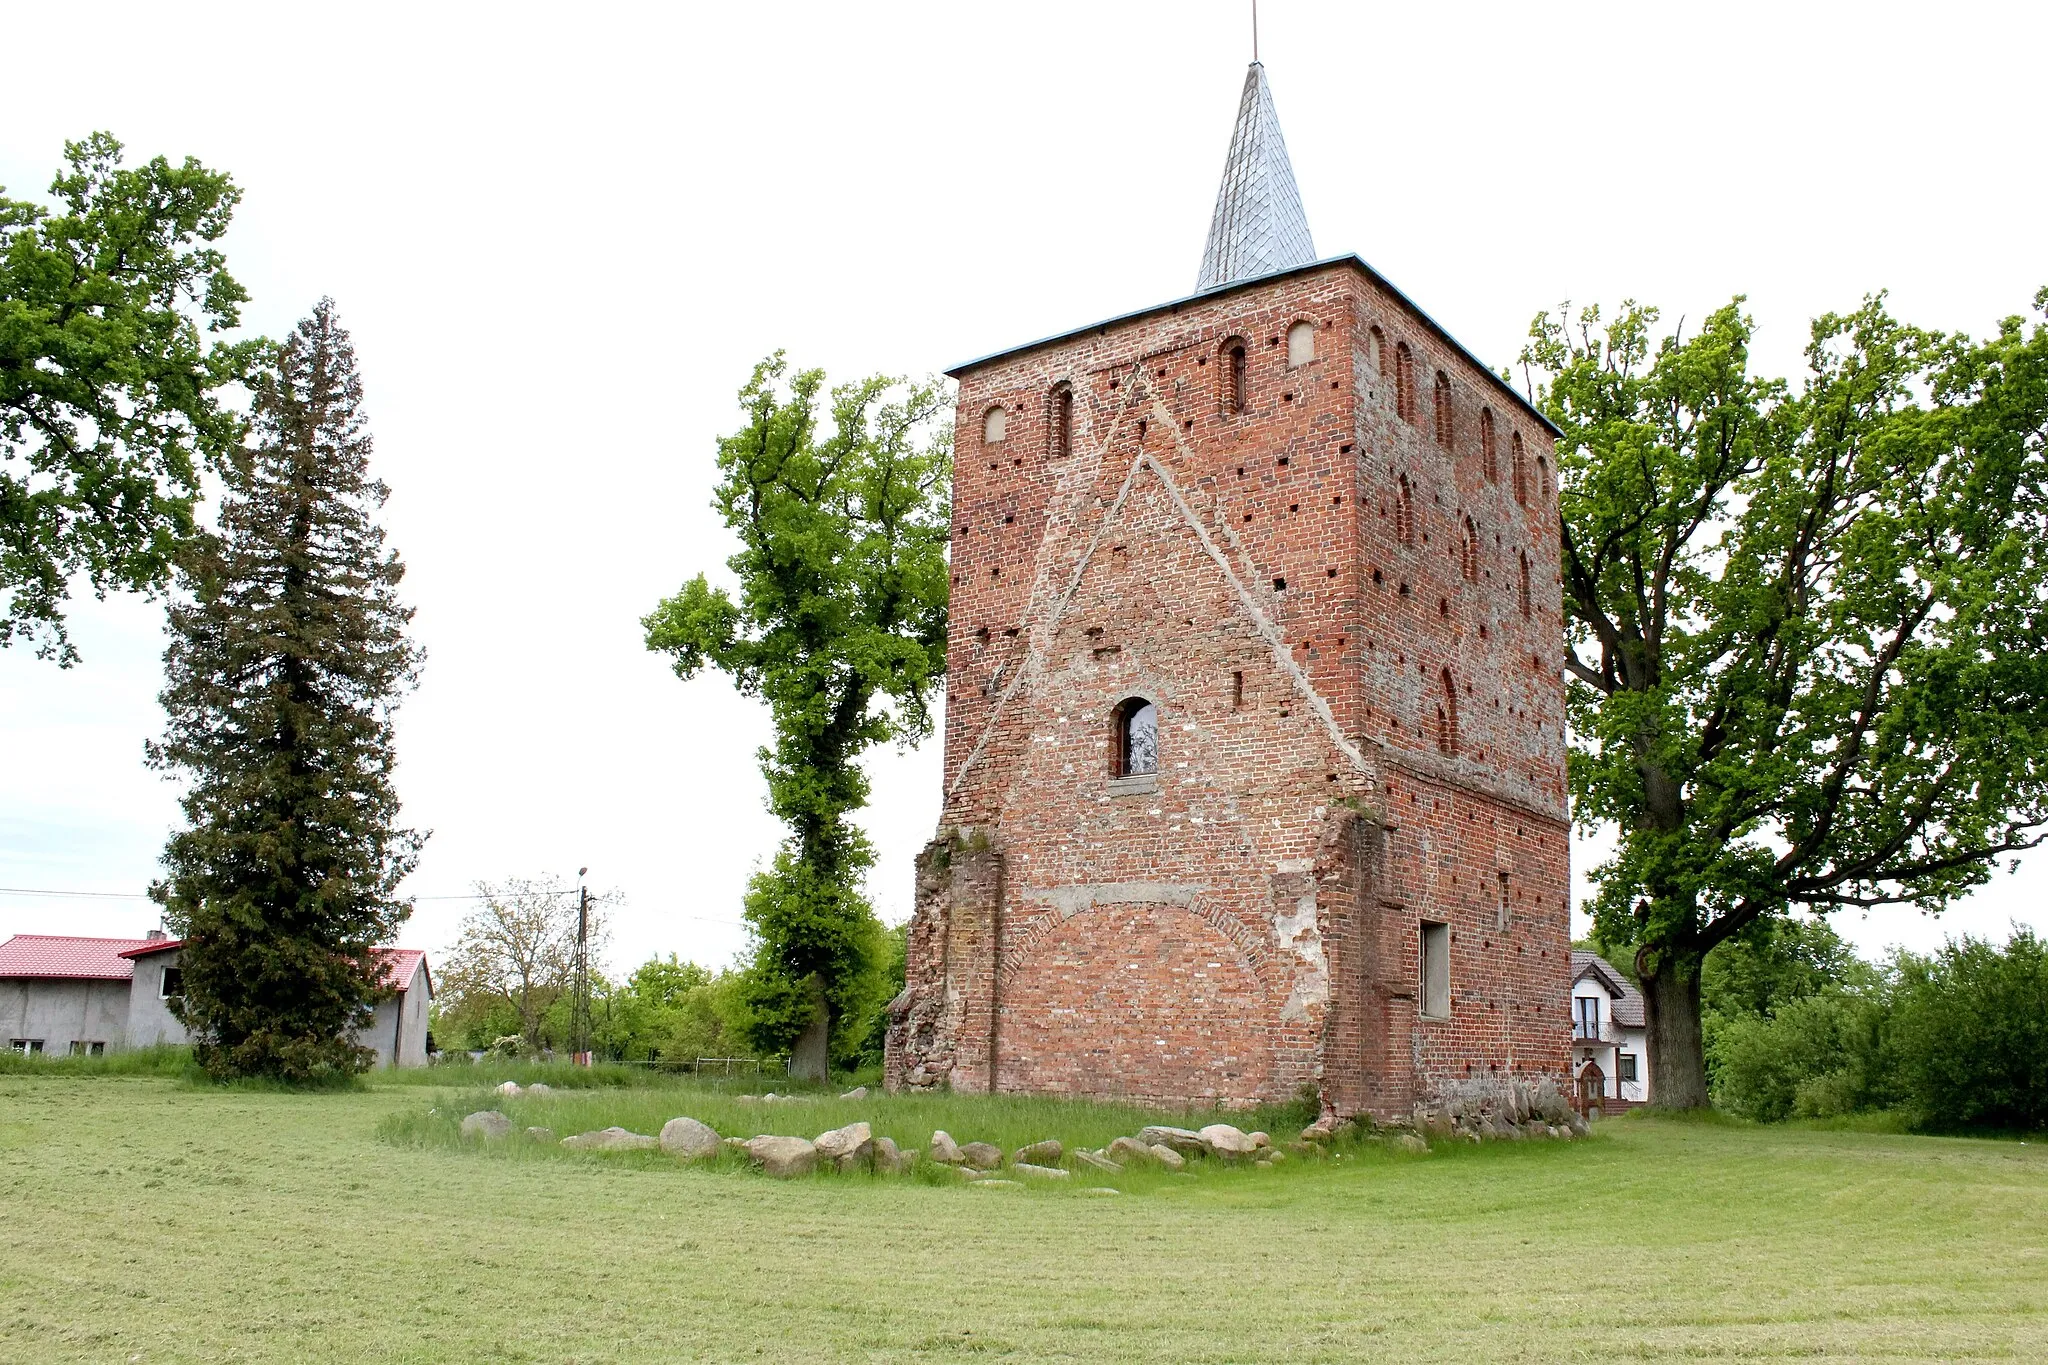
(539, 1090)
(846, 1147)
(1328, 1128)
(1129, 1149)
(1100, 1189)
(1271, 1156)
(785, 1158)
(982, 1156)
(1046, 1153)
(1185, 1141)
(945, 1151)
(891, 1160)
(1100, 1163)
(541, 1134)
(1224, 1140)
(1260, 1140)
(1029, 1171)
(1167, 1157)
(510, 1089)
(733, 1144)
(1000, 1184)
(859, 1092)
(1410, 1142)
(487, 1124)
(688, 1139)
(612, 1139)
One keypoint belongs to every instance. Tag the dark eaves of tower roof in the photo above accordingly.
(1204, 296)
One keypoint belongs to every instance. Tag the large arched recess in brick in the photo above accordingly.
(1144, 1000)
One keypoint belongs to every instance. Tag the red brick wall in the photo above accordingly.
(1249, 923)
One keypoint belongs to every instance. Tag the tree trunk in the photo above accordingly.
(1678, 1059)
(810, 1059)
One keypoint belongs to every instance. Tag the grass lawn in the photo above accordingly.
(147, 1220)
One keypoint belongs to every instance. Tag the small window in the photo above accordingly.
(1404, 382)
(1503, 912)
(1522, 593)
(1060, 424)
(1625, 1067)
(1489, 456)
(1301, 344)
(1137, 738)
(173, 983)
(993, 424)
(1235, 363)
(1468, 552)
(1443, 410)
(1447, 717)
(1404, 513)
(82, 1048)
(27, 1047)
(1521, 469)
(1376, 350)
(1436, 970)
(1543, 477)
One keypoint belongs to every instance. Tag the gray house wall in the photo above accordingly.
(401, 1019)
(61, 1012)
(150, 1020)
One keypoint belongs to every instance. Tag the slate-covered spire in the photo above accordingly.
(1258, 227)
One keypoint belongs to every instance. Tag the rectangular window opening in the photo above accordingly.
(27, 1047)
(1237, 690)
(1436, 970)
(1625, 1067)
(1504, 914)
(173, 983)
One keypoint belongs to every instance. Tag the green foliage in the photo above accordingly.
(840, 626)
(284, 665)
(1807, 633)
(1819, 1056)
(1772, 962)
(1970, 1026)
(109, 396)
(895, 973)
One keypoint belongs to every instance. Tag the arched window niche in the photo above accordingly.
(1059, 424)
(994, 424)
(1134, 740)
(1233, 377)
(1301, 344)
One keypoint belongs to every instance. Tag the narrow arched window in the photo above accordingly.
(1404, 381)
(1135, 749)
(1521, 469)
(1443, 410)
(1060, 422)
(1447, 717)
(1468, 552)
(1301, 344)
(1543, 477)
(1376, 350)
(1524, 591)
(1404, 513)
(1489, 462)
(1235, 363)
(994, 423)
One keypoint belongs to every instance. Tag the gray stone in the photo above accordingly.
(1026, 1169)
(1167, 1157)
(612, 1139)
(487, 1124)
(1185, 1141)
(509, 1089)
(1412, 1143)
(1271, 1156)
(1129, 1149)
(783, 1157)
(541, 1134)
(859, 1092)
(889, 1159)
(1328, 1128)
(855, 1141)
(539, 1090)
(1100, 1189)
(982, 1156)
(733, 1144)
(1261, 1140)
(686, 1138)
(1100, 1163)
(992, 1184)
(1046, 1153)
(1225, 1140)
(945, 1151)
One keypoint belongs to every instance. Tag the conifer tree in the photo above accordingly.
(287, 656)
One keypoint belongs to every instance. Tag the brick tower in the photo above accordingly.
(1254, 716)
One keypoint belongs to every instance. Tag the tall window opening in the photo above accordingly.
(1376, 350)
(1468, 552)
(1235, 363)
(1436, 970)
(1521, 469)
(1503, 911)
(1522, 593)
(1404, 381)
(1301, 344)
(1061, 426)
(1443, 410)
(1489, 459)
(1543, 478)
(1447, 717)
(1404, 513)
(1136, 746)
(994, 423)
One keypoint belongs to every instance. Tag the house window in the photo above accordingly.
(1235, 362)
(27, 1047)
(1468, 553)
(1136, 749)
(1404, 381)
(173, 983)
(1443, 410)
(1522, 593)
(1489, 462)
(1301, 344)
(1404, 513)
(1625, 1067)
(1521, 469)
(1586, 1020)
(1447, 718)
(994, 423)
(1436, 970)
(81, 1048)
(1060, 427)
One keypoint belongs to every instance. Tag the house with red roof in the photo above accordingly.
(88, 996)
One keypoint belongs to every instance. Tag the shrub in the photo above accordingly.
(1970, 1028)
(1818, 1057)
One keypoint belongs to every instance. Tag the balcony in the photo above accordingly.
(1584, 1033)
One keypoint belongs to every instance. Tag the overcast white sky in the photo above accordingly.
(563, 234)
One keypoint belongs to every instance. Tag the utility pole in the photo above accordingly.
(579, 1023)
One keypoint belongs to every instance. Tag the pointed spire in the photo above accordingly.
(1258, 226)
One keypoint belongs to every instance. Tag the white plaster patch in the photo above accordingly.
(1298, 934)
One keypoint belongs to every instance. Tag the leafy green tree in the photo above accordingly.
(1775, 960)
(1805, 630)
(283, 669)
(1970, 1027)
(840, 626)
(109, 396)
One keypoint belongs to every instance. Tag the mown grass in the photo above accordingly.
(160, 1059)
(150, 1221)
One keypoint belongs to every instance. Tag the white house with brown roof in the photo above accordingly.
(87, 996)
(1610, 1035)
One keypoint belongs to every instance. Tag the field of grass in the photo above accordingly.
(151, 1220)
